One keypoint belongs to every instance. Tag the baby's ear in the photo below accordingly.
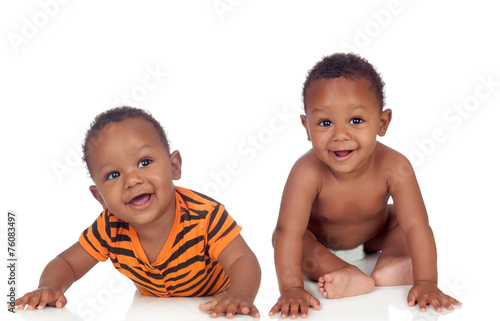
(303, 119)
(95, 192)
(385, 120)
(176, 162)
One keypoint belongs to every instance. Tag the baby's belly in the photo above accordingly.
(346, 236)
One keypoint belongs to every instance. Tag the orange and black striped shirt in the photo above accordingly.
(187, 265)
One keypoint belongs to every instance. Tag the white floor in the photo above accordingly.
(113, 298)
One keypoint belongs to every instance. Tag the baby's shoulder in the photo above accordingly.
(309, 167)
(306, 175)
(309, 161)
(386, 154)
(392, 162)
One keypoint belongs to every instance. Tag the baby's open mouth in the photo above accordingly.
(140, 200)
(342, 153)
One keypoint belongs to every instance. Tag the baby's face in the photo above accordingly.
(343, 118)
(133, 172)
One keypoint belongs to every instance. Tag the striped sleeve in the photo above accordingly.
(222, 230)
(96, 238)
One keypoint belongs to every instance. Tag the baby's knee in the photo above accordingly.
(380, 276)
(393, 271)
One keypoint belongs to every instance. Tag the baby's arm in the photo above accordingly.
(242, 267)
(412, 217)
(57, 277)
(299, 194)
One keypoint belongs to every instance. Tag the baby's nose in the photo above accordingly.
(133, 178)
(340, 133)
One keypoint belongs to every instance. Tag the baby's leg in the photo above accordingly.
(394, 266)
(336, 278)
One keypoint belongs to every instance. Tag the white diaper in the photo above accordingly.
(356, 254)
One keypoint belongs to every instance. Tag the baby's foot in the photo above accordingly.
(348, 281)
(392, 270)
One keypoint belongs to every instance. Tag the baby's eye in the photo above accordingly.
(145, 162)
(112, 175)
(356, 121)
(325, 123)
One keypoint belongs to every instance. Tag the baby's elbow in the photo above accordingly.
(277, 231)
(250, 262)
(273, 239)
(418, 228)
(256, 267)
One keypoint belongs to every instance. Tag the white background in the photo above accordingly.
(224, 78)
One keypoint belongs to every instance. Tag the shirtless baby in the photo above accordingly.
(336, 198)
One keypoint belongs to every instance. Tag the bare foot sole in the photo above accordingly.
(348, 281)
(392, 270)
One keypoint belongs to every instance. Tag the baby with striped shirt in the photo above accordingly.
(169, 240)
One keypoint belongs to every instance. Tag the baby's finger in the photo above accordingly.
(21, 304)
(422, 305)
(244, 307)
(313, 302)
(448, 306)
(231, 309)
(217, 309)
(45, 298)
(285, 309)
(436, 304)
(22, 301)
(208, 306)
(254, 311)
(453, 301)
(294, 309)
(447, 302)
(61, 301)
(275, 308)
(412, 299)
(304, 309)
(33, 301)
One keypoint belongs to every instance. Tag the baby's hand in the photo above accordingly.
(41, 297)
(293, 302)
(230, 304)
(427, 292)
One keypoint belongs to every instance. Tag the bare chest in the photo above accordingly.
(350, 203)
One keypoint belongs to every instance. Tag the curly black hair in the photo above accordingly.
(116, 115)
(347, 65)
